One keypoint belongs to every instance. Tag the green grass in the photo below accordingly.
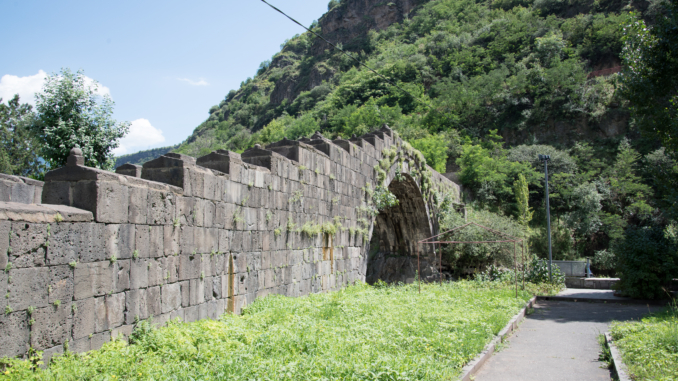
(358, 333)
(649, 347)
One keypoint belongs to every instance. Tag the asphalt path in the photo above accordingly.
(559, 341)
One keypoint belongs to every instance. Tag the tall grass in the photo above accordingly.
(650, 347)
(359, 333)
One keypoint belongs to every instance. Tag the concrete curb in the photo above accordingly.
(599, 300)
(619, 366)
(474, 365)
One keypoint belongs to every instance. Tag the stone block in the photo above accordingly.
(84, 318)
(208, 288)
(185, 293)
(153, 301)
(138, 205)
(171, 236)
(107, 200)
(189, 267)
(57, 193)
(156, 241)
(136, 306)
(129, 170)
(139, 273)
(80, 345)
(191, 314)
(60, 283)
(170, 270)
(224, 240)
(51, 326)
(51, 354)
(197, 291)
(115, 310)
(171, 297)
(203, 311)
(161, 270)
(177, 314)
(28, 288)
(15, 333)
(94, 279)
(5, 227)
(123, 332)
(161, 207)
(119, 240)
(142, 241)
(216, 287)
(28, 242)
(99, 339)
(122, 272)
(186, 242)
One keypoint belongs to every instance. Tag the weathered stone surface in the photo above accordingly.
(94, 279)
(136, 306)
(60, 284)
(171, 297)
(5, 227)
(51, 326)
(28, 288)
(120, 240)
(153, 301)
(15, 334)
(129, 170)
(197, 291)
(138, 205)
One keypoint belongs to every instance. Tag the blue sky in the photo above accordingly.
(164, 63)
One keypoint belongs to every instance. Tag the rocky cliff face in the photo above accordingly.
(347, 24)
(354, 18)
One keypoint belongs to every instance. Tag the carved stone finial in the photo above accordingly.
(257, 146)
(75, 158)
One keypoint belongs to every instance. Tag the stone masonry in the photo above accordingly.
(192, 239)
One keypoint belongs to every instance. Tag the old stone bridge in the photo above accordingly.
(88, 252)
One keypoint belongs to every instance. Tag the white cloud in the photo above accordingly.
(29, 85)
(141, 135)
(201, 82)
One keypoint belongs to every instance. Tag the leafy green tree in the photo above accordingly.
(522, 193)
(649, 77)
(434, 149)
(20, 149)
(71, 114)
(647, 261)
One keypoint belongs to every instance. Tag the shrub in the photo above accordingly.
(646, 261)
(539, 273)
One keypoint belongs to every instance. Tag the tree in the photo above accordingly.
(71, 114)
(649, 78)
(522, 194)
(20, 149)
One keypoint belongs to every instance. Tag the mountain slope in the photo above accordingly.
(517, 66)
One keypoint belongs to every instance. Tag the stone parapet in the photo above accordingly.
(192, 238)
(20, 189)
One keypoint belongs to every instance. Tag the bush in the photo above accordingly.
(646, 261)
(539, 273)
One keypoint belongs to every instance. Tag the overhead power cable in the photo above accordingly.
(350, 56)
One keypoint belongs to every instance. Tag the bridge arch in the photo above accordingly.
(392, 252)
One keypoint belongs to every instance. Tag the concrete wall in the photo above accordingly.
(188, 238)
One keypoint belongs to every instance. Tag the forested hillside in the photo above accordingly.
(516, 66)
(488, 85)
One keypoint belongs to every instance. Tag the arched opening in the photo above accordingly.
(392, 255)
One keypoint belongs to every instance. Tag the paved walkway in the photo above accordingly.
(558, 341)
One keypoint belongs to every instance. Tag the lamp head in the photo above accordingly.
(544, 157)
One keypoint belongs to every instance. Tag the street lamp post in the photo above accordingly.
(545, 159)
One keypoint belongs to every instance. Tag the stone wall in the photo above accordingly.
(192, 239)
(20, 189)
